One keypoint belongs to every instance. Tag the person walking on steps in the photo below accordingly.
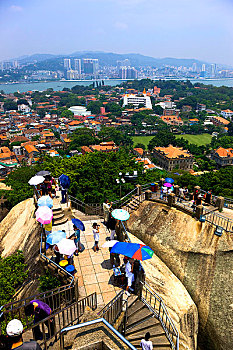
(40, 310)
(146, 344)
(14, 332)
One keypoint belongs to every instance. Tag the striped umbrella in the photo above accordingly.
(133, 250)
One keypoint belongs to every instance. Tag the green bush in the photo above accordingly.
(13, 272)
(48, 282)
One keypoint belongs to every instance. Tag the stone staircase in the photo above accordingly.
(59, 217)
(141, 320)
(133, 204)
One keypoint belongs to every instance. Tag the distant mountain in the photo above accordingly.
(49, 61)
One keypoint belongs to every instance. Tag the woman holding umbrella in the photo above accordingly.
(129, 274)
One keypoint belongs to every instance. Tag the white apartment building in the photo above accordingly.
(227, 113)
(130, 99)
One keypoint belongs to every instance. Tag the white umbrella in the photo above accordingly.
(109, 244)
(66, 246)
(36, 180)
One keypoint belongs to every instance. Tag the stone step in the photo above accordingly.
(155, 331)
(149, 323)
(60, 221)
(139, 317)
(58, 215)
(136, 307)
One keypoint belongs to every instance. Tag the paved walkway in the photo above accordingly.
(94, 270)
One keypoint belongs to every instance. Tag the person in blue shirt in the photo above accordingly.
(77, 239)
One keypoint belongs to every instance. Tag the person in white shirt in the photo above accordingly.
(146, 344)
(129, 274)
(106, 208)
(96, 235)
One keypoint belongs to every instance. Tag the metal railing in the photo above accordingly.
(95, 322)
(218, 220)
(88, 209)
(53, 266)
(156, 305)
(55, 298)
(113, 309)
(64, 318)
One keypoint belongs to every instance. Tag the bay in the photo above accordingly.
(59, 85)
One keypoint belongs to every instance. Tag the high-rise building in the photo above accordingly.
(67, 63)
(213, 70)
(194, 67)
(203, 67)
(15, 64)
(90, 66)
(77, 65)
(127, 73)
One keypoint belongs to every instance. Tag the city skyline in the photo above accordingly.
(201, 30)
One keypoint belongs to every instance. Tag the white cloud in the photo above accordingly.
(120, 25)
(16, 8)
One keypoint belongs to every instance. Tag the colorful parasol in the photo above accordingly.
(133, 250)
(45, 201)
(44, 215)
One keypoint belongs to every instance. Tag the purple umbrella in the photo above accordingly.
(167, 184)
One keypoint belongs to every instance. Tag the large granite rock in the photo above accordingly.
(20, 231)
(202, 261)
(178, 302)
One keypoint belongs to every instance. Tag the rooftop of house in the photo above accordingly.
(173, 152)
(224, 152)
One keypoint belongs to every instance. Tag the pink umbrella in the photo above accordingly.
(66, 246)
(167, 184)
(44, 215)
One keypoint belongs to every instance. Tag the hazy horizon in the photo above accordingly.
(199, 30)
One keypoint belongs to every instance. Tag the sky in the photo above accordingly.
(201, 29)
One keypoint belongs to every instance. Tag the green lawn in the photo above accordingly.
(142, 139)
(199, 140)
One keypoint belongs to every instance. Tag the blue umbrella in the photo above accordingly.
(55, 237)
(45, 201)
(169, 180)
(79, 224)
(120, 214)
(64, 181)
(133, 250)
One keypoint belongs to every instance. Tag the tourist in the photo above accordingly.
(186, 193)
(53, 184)
(43, 189)
(111, 225)
(161, 192)
(77, 239)
(199, 200)
(106, 208)
(129, 274)
(63, 194)
(96, 235)
(208, 197)
(40, 311)
(58, 254)
(181, 194)
(48, 185)
(14, 332)
(146, 344)
(48, 228)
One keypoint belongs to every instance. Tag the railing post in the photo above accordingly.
(139, 190)
(148, 195)
(220, 203)
(171, 199)
(199, 211)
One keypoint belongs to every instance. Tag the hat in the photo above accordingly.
(14, 328)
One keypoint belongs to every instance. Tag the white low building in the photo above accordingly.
(79, 110)
(130, 99)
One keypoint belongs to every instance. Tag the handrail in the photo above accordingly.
(68, 315)
(170, 330)
(53, 262)
(93, 322)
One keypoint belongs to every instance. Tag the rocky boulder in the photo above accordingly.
(178, 302)
(202, 261)
(20, 231)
